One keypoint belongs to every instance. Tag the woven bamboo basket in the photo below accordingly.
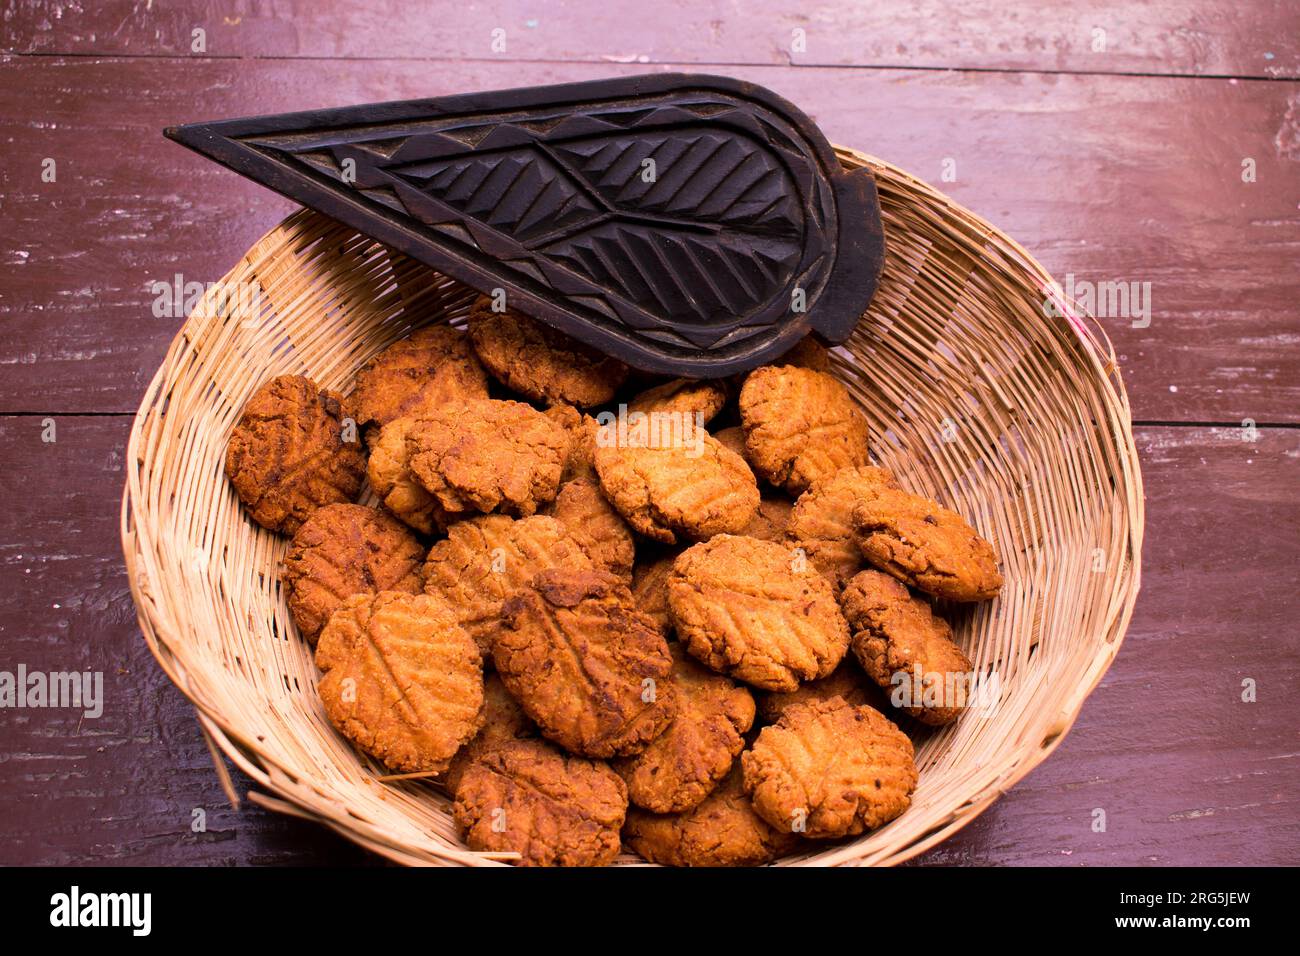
(1012, 413)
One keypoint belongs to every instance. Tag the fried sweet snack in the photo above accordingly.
(683, 396)
(540, 362)
(723, 830)
(675, 484)
(552, 809)
(392, 481)
(771, 520)
(684, 763)
(489, 456)
(596, 525)
(807, 353)
(923, 544)
(431, 367)
(343, 550)
(483, 560)
(746, 608)
(773, 515)
(828, 769)
(846, 681)
(800, 425)
(288, 455)
(906, 648)
(821, 523)
(650, 590)
(585, 664)
(401, 679)
(582, 441)
(733, 438)
(504, 722)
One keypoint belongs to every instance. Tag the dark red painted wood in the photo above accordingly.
(1205, 37)
(1185, 771)
(1105, 178)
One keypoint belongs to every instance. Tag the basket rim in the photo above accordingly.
(283, 785)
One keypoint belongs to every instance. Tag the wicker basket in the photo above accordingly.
(977, 395)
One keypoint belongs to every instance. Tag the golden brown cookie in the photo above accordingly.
(847, 681)
(344, 550)
(489, 456)
(552, 809)
(675, 484)
(483, 560)
(733, 438)
(544, 364)
(504, 722)
(906, 648)
(585, 664)
(650, 590)
(745, 608)
(583, 508)
(773, 513)
(290, 453)
(391, 479)
(401, 679)
(431, 367)
(684, 763)
(702, 400)
(723, 830)
(582, 441)
(800, 425)
(807, 353)
(770, 520)
(821, 522)
(925, 545)
(828, 769)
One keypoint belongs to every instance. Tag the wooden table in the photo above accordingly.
(1153, 142)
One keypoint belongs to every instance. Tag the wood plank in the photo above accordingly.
(1186, 772)
(1198, 37)
(1108, 179)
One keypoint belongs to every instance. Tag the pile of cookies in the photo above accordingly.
(606, 611)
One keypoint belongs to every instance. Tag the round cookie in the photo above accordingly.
(552, 809)
(289, 453)
(734, 439)
(774, 511)
(925, 545)
(807, 353)
(582, 441)
(845, 681)
(723, 830)
(392, 481)
(682, 484)
(401, 680)
(821, 522)
(770, 520)
(583, 508)
(746, 608)
(504, 722)
(431, 367)
(828, 769)
(585, 664)
(702, 399)
(533, 359)
(684, 763)
(483, 560)
(906, 648)
(800, 425)
(489, 456)
(650, 590)
(343, 550)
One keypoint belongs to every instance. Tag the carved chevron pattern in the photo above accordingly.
(665, 216)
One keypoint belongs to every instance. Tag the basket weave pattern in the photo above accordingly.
(1015, 418)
